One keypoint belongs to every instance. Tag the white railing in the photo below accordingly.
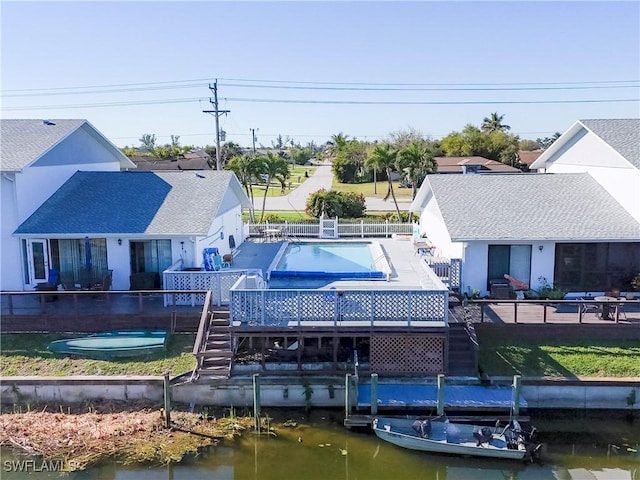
(218, 282)
(360, 229)
(338, 308)
(448, 271)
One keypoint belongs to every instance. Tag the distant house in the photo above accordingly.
(195, 160)
(37, 157)
(608, 149)
(577, 225)
(527, 157)
(137, 223)
(472, 165)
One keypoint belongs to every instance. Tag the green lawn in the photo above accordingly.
(371, 190)
(580, 358)
(27, 354)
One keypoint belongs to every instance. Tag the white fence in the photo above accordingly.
(360, 229)
(336, 308)
(218, 282)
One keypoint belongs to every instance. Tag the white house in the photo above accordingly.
(36, 158)
(92, 219)
(566, 228)
(607, 149)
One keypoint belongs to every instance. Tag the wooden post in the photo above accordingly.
(347, 396)
(515, 312)
(440, 409)
(256, 401)
(515, 396)
(374, 394)
(167, 400)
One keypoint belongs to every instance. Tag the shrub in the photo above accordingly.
(549, 291)
(332, 203)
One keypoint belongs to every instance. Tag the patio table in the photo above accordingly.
(608, 307)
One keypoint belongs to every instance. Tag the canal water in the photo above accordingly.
(319, 447)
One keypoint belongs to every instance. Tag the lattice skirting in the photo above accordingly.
(408, 355)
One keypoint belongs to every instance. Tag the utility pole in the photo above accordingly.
(253, 138)
(216, 113)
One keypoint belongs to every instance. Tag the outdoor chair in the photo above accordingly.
(227, 258)
(588, 307)
(218, 263)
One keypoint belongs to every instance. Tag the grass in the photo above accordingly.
(294, 216)
(275, 189)
(27, 354)
(370, 190)
(501, 356)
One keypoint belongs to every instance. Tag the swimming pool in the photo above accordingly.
(331, 259)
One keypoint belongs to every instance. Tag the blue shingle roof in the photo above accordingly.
(152, 203)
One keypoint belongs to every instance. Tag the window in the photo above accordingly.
(514, 260)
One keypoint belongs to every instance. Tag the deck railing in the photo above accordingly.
(218, 282)
(335, 308)
(360, 229)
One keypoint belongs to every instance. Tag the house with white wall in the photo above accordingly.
(36, 158)
(138, 224)
(608, 149)
(577, 228)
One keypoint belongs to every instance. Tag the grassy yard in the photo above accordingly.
(293, 216)
(580, 358)
(27, 354)
(371, 190)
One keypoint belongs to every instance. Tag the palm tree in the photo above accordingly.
(273, 166)
(337, 142)
(247, 168)
(382, 157)
(493, 123)
(417, 160)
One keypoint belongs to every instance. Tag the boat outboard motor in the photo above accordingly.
(484, 435)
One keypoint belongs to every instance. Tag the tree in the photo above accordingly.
(493, 123)
(300, 156)
(247, 168)
(175, 140)
(417, 161)
(337, 143)
(383, 158)
(332, 203)
(546, 142)
(528, 145)
(349, 164)
(227, 152)
(148, 142)
(273, 167)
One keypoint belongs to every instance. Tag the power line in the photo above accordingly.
(294, 84)
(321, 102)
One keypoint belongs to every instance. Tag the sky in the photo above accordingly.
(308, 70)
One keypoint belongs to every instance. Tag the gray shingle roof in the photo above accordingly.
(563, 207)
(25, 140)
(623, 135)
(151, 203)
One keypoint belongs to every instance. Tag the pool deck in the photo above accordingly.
(406, 270)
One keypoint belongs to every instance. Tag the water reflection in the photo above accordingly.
(323, 449)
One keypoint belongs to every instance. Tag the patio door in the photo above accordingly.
(37, 261)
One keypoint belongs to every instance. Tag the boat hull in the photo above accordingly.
(447, 438)
(116, 344)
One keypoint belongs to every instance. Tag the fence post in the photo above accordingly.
(515, 311)
(515, 396)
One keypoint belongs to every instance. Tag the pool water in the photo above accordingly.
(330, 259)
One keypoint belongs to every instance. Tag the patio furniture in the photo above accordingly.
(607, 307)
(227, 258)
(68, 281)
(144, 280)
(589, 307)
(219, 263)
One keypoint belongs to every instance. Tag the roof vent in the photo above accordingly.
(470, 168)
(48, 122)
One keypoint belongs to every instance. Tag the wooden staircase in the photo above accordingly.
(462, 355)
(214, 354)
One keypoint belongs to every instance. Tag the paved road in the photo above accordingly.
(322, 178)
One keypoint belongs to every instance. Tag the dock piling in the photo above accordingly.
(256, 401)
(167, 400)
(374, 394)
(440, 409)
(515, 396)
